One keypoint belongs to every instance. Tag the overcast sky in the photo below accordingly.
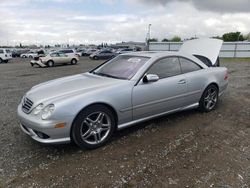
(96, 21)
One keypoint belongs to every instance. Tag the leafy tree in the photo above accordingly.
(165, 40)
(176, 39)
(232, 37)
(153, 40)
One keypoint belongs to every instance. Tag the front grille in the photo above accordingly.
(27, 104)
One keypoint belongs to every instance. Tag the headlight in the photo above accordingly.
(47, 111)
(38, 109)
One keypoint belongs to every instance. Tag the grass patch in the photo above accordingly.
(225, 60)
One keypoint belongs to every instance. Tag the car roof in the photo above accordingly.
(159, 54)
(155, 54)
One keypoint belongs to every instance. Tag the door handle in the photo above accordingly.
(182, 81)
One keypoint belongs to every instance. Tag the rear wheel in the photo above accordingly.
(93, 127)
(95, 57)
(209, 99)
(1, 61)
(73, 62)
(50, 64)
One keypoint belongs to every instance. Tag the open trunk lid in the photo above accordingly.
(209, 48)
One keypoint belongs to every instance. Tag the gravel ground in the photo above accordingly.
(188, 149)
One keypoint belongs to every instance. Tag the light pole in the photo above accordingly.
(149, 30)
(148, 36)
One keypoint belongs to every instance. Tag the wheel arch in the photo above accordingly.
(213, 83)
(50, 60)
(110, 107)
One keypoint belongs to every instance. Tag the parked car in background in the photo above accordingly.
(17, 52)
(88, 108)
(80, 52)
(89, 52)
(68, 51)
(124, 50)
(5, 55)
(29, 54)
(55, 58)
(103, 54)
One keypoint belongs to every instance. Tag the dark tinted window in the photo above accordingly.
(105, 52)
(129, 50)
(66, 51)
(166, 67)
(205, 60)
(188, 66)
(1, 51)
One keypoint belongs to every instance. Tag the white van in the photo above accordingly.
(5, 55)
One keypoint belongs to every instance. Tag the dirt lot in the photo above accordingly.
(188, 149)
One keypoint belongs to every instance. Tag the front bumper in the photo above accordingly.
(35, 128)
(37, 62)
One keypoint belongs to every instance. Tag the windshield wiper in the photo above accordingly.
(107, 75)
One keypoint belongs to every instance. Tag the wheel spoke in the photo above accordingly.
(87, 134)
(206, 99)
(213, 94)
(97, 137)
(100, 117)
(87, 123)
(89, 120)
(105, 127)
(208, 104)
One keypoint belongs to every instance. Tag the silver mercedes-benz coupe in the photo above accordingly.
(89, 107)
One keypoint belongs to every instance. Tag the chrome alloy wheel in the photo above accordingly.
(211, 98)
(95, 128)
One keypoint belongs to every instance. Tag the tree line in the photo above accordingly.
(227, 37)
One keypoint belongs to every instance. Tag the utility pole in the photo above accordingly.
(148, 36)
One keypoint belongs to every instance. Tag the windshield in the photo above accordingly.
(121, 67)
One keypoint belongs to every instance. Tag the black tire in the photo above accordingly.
(79, 127)
(30, 56)
(95, 58)
(1, 61)
(73, 62)
(50, 63)
(209, 98)
(6, 61)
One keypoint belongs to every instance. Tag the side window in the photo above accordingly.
(188, 66)
(166, 67)
(61, 55)
(1, 51)
(54, 55)
(68, 51)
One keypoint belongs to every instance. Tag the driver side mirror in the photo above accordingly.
(150, 78)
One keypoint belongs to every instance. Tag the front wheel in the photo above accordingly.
(73, 62)
(93, 127)
(209, 99)
(50, 64)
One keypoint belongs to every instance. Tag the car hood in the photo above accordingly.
(68, 86)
